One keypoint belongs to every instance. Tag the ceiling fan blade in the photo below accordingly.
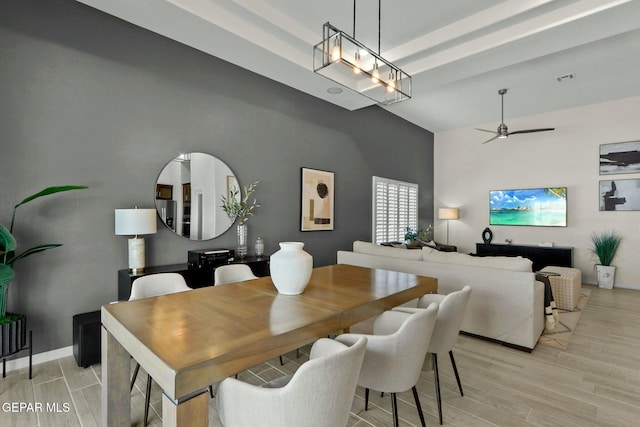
(490, 131)
(489, 140)
(531, 130)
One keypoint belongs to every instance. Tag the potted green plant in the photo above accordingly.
(239, 206)
(605, 246)
(413, 236)
(8, 246)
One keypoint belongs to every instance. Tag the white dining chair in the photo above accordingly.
(395, 354)
(450, 315)
(318, 394)
(153, 285)
(232, 273)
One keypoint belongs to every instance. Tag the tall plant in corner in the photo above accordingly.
(605, 246)
(8, 246)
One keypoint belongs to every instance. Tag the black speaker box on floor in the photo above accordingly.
(87, 338)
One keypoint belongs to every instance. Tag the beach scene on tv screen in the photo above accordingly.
(532, 206)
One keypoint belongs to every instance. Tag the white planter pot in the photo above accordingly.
(291, 268)
(606, 275)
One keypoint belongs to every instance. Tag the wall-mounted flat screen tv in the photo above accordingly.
(545, 207)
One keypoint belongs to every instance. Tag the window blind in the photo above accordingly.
(395, 207)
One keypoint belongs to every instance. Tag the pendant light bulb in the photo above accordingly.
(391, 84)
(375, 75)
(356, 62)
(335, 53)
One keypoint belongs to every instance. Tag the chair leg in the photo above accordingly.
(437, 379)
(281, 362)
(366, 399)
(147, 398)
(211, 391)
(455, 371)
(298, 353)
(394, 408)
(418, 407)
(135, 374)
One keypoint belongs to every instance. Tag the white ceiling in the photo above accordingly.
(459, 53)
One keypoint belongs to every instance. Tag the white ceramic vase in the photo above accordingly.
(291, 268)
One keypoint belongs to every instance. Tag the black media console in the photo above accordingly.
(541, 256)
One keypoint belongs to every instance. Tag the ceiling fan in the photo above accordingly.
(503, 131)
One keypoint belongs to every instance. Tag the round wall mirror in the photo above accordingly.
(188, 195)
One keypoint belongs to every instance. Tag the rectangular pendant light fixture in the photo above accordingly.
(346, 61)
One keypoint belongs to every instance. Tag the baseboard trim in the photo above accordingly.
(39, 358)
(634, 286)
(506, 344)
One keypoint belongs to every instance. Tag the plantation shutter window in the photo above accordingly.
(395, 207)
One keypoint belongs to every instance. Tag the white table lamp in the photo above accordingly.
(134, 222)
(448, 214)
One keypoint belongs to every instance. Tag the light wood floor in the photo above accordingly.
(596, 382)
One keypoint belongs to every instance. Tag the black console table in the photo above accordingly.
(195, 277)
(541, 256)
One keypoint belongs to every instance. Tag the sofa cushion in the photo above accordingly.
(500, 262)
(373, 249)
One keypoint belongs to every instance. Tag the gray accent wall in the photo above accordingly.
(86, 98)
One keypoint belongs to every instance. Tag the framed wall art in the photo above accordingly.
(620, 195)
(317, 200)
(164, 192)
(620, 157)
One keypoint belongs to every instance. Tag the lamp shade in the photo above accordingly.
(448, 213)
(132, 222)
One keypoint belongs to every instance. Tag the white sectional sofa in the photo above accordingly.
(506, 304)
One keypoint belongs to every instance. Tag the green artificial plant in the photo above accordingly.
(412, 234)
(605, 246)
(414, 237)
(239, 206)
(8, 244)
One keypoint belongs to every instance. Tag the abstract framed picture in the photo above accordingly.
(620, 195)
(620, 157)
(317, 200)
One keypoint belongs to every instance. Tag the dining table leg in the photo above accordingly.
(116, 368)
(193, 412)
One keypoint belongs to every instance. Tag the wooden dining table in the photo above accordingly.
(190, 340)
